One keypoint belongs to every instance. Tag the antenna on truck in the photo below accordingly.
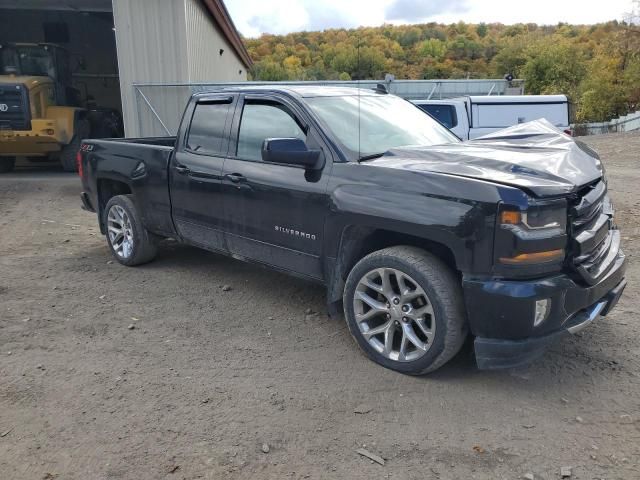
(358, 89)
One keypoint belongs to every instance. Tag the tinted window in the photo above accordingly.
(206, 133)
(445, 114)
(264, 120)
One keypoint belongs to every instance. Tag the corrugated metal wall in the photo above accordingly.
(204, 42)
(168, 41)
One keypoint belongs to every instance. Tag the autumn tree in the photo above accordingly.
(598, 66)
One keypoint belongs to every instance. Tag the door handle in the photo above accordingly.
(235, 177)
(182, 170)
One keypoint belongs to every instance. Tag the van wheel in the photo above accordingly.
(69, 151)
(7, 164)
(130, 243)
(405, 309)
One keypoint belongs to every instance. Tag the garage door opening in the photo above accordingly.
(58, 77)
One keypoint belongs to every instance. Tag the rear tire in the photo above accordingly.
(405, 296)
(69, 151)
(130, 243)
(7, 164)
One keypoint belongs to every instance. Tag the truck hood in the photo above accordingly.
(533, 156)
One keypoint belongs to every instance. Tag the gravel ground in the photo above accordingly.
(108, 372)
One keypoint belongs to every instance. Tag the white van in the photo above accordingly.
(474, 116)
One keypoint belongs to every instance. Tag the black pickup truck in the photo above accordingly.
(420, 238)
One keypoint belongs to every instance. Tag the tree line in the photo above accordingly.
(597, 66)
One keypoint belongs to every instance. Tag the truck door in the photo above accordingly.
(274, 213)
(196, 171)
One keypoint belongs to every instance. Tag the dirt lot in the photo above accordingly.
(205, 377)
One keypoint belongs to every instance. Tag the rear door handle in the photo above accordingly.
(182, 170)
(235, 177)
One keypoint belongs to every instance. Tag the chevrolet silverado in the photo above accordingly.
(419, 238)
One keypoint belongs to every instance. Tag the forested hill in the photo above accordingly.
(598, 66)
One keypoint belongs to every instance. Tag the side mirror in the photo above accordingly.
(291, 151)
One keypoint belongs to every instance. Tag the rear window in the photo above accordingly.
(206, 134)
(445, 114)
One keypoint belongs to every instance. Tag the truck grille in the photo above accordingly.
(595, 242)
(14, 107)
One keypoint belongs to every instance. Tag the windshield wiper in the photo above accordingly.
(371, 156)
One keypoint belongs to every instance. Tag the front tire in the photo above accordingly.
(130, 243)
(404, 307)
(7, 164)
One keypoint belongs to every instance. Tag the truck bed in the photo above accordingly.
(142, 164)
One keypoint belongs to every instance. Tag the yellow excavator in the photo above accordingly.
(41, 114)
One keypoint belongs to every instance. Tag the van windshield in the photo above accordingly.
(372, 124)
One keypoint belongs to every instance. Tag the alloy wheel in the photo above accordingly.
(394, 314)
(120, 231)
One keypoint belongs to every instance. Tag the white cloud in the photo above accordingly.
(253, 17)
(546, 12)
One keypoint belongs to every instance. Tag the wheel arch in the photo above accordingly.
(107, 188)
(357, 241)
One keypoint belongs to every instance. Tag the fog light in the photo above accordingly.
(542, 311)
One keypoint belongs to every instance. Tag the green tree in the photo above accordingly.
(510, 57)
(462, 47)
(411, 36)
(554, 66)
(269, 70)
(433, 48)
(602, 94)
(482, 29)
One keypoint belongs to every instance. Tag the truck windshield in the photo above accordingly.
(372, 124)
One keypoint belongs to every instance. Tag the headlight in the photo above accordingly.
(535, 236)
(536, 218)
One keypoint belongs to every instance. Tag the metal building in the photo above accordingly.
(114, 44)
(173, 41)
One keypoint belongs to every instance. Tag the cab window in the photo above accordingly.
(261, 120)
(445, 114)
(207, 130)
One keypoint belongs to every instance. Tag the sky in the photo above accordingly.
(253, 17)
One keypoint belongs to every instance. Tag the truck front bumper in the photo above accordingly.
(501, 313)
